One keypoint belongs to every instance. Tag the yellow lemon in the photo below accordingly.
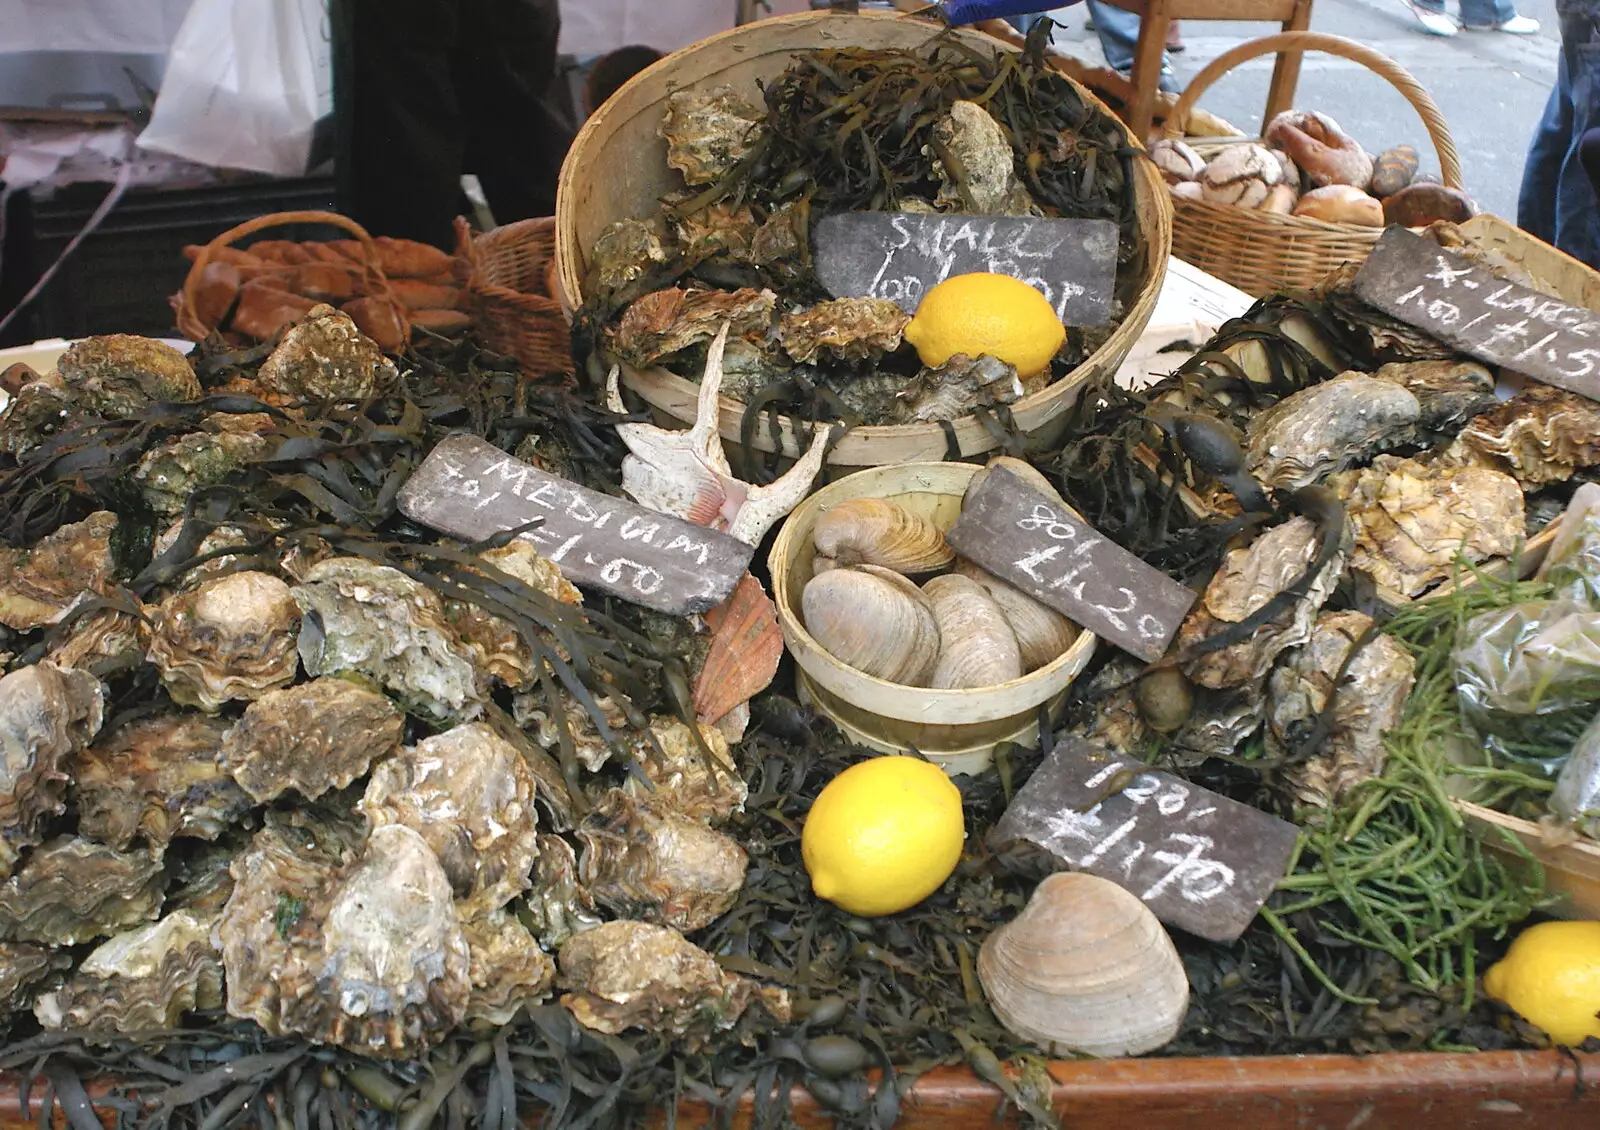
(983, 313)
(1551, 977)
(883, 835)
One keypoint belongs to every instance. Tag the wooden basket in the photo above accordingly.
(958, 730)
(617, 169)
(1263, 252)
(511, 293)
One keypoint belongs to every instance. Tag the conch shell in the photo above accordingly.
(977, 647)
(1043, 634)
(1086, 968)
(878, 531)
(874, 620)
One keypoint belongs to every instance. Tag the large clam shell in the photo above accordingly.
(1085, 967)
(878, 531)
(874, 620)
(1043, 634)
(977, 647)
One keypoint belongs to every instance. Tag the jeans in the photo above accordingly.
(1477, 13)
(1118, 30)
(1557, 202)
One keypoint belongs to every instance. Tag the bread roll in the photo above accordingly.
(1418, 205)
(420, 294)
(214, 293)
(1393, 170)
(1324, 152)
(1341, 204)
(376, 318)
(322, 281)
(1188, 190)
(1178, 163)
(1242, 175)
(1281, 199)
(441, 321)
(407, 259)
(265, 308)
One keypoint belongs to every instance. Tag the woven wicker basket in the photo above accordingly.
(1263, 252)
(510, 294)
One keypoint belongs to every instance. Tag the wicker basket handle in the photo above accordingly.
(374, 281)
(1398, 77)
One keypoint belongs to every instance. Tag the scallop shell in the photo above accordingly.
(232, 637)
(312, 737)
(1043, 634)
(746, 645)
(70, 891)
(324, 356)
(874, 620)
(39, 586)
(977, 647)
(1327, 427)
(1085, 968)
(508, 970)
(46, 714)
(878, 531)
(701, 784)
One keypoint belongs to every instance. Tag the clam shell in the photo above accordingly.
(874, 620)
(1043, 634)
(977, 647)
(877, 531)
(1085, 967)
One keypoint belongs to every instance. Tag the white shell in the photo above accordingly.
(874, 620)
(977, 647)
(1241, 174)
(1085, 967)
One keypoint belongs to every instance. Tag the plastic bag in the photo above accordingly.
(1576, 799)
(1572, 564)
(245, 85)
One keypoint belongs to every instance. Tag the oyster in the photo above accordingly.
(780, 241)
(643, 861)
(119, 375)
(1412, 519)
(324, 356)
(311, 738)
(217, 539)
(157, 778)
(171, 471)
(1220, 721)
(469, 794)
(532, 714)
(70, 891)
(140, 982)
(1541, 435)
(708, 132)
(232, 637)
(40, 409)
(702, 785)
(103, 643)
(367, 954)
(623, 975)
(750, 366)
(849, 329)
(626, 250)
(497, 645)
(1248, 579)
(46, 714)
(669, 321)
(376, 621)
(1368, 693)
(956, 388)
(24, 971)
(201, 882)
(1449, 393)
(725, 228)
(508, 970)
(1327, 427)
(976, 166)
(558, 906)
(39, 586)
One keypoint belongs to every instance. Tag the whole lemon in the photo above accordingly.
(1551, 977)
(883, 835)
(983, 313)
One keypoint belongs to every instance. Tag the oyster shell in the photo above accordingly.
(497, 646)
(592, 752)
(984, 181)
(232, 637)
(508, 970)
(956, 388)
(219, 538)
(46, 714)
(312, 737)
(119, 375)
(368, 954)
(157, 778)
(25, 971)
(375, 621)
(170, 472)
(1248, 579)
(42, 408)
(708, 132)
(643, 861)
(1368, 701)
(140, 982)
(626, 250)
(722, 229)
(1541, 435)
(201, 882)
(324, 356)
(469, 794)
(558, 906)
(687, 781)
(103, 644)
(1412, 519)
(1327, 427)
(39, 586)
(70, 891)
(849, 329)
(1449, 393)
(623, 975)
(669, 321)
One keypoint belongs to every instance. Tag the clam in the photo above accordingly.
(879, 531)
(1085, 968)
(231, 638)
(1043, 634)
(874, 620)
(977, 647)
(1025, 471)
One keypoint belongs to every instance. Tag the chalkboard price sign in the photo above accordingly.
(902, 255)
(1056, 557)
(470, 489)
(1466, 307)
(1198, 860)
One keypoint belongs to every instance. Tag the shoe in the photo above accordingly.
(1433, 23)
(1516, 25)
(1175, 39)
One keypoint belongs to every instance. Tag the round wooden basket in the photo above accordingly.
(511, 293)
(617, 169)
(1263, 252)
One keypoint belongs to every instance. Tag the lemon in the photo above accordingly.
(1551, 976)
(883, 835)
(983, 313)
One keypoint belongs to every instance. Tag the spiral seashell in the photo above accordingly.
(878, 531)
(977, 647)
(1043, 634)
(874, 620)
(1085, 967)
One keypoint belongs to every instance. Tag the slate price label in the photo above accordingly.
(470, 489)
(1053, 555)
(1199, 861)
(901, 256)
(1420, 283)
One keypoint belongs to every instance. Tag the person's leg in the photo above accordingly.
(1496, 15)
(1430, 16)
(1118, 30)
(1541, 172)
(1577, 211)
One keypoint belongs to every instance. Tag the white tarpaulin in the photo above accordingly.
(593, 27)
(123, 27)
